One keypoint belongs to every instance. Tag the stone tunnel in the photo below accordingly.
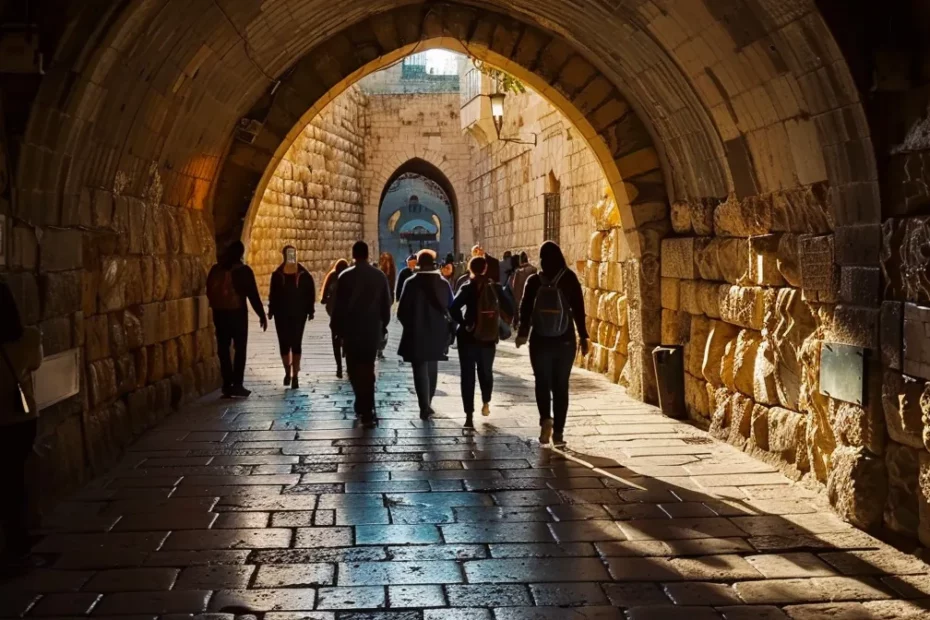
(749, 180)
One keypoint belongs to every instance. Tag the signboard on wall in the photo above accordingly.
(3, 237)
(57, 379)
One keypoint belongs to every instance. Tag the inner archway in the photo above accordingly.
(417, 211)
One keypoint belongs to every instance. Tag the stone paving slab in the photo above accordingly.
(281, 506)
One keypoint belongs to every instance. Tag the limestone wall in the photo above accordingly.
(423, 126)
(314, 200)
(509, 181)
(119, 277)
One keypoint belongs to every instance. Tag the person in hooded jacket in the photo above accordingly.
(360, 318)
(328, 299)
(552, 356)
(230, 284)
(520, 276)
(475, 354)
(403, 274)
(20, 354)
(291, 304)
(423, 312)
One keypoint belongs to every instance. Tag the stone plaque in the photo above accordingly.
(842, 372)
(57, 379)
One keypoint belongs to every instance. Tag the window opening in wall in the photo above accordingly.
(553, 204)
(552, 208)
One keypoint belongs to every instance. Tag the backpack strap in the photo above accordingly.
(558, 277)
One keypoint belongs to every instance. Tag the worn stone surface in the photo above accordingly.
(532, 528)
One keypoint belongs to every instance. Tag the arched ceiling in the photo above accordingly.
(142, 97)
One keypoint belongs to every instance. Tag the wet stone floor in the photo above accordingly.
(279, 507)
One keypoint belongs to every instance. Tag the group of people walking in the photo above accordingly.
(437, 310)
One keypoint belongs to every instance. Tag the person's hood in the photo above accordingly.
(551, 259)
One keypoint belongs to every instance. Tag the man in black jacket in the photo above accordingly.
(229, 285)
(404, 274)
(361, 315)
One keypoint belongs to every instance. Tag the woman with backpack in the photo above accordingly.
(328, 299)
(424, 313)
(486, 305)
(551, 311)
(291, 305)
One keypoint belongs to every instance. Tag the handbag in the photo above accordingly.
(22, 405)
(504, 330)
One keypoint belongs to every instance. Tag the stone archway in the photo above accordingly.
(601, 115)
(438, 203)
(428, 170)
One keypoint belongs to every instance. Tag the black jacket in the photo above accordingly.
(402, 277)
(292, 296)
(467, 298)
(422, 308)
(571, 289)
(362, 309)
(243, 279)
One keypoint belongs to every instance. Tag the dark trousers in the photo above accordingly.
(337, 350)
(15, 445)
(290, 332)
(425, 375)
(476, 357)
(362, 377)
(552, 367)
(232, 327)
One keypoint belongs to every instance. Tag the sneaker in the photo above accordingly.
(287, 379)
(369, 422)
(486, 409)
(469, 422)
(426, 415)
(545, 432)
(294, 383)
(241, 392)
(558, 441)
(339, 374)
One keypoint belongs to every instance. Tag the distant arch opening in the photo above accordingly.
(417, 210)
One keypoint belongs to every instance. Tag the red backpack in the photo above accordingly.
(221, 292)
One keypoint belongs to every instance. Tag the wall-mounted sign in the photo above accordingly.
(842, 372)
(58, 378)
(2, 240)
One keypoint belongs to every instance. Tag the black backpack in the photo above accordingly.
(487, 313)
(551, 312)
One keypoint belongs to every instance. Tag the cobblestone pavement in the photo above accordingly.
(278, 506)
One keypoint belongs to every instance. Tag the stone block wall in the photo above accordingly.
(402, 127)
(120, 277)
(314, 198)
(509, 181)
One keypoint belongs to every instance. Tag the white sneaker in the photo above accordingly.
(545, 432)
(486, 409)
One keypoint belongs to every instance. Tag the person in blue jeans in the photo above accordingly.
(551, 312)
(475, 354)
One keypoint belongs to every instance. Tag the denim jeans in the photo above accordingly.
(425, 375)
(552, 367)
(472, 357)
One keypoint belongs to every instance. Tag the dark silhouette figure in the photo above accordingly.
(551, 310)
(360, 317)
(328, 299)
(291, 305)
(424, 313)
(229, 285)
(20, 354)
(476, 351)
